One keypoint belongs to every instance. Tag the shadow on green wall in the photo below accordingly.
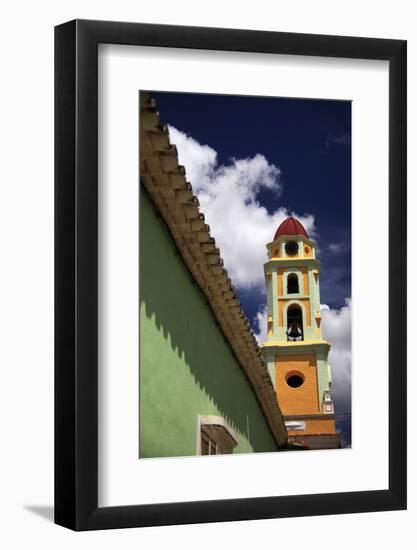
(171, 299)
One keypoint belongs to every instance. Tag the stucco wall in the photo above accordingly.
(186, 366)
(304, 399)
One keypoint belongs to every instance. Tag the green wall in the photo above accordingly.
(186, 366)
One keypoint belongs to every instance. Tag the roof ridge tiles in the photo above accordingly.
(172, 194)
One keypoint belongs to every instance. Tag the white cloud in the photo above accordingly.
(261, 320)
(228, 198)
(337, 330)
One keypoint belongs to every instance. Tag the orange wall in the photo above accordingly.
(280, 315)
(279, 282)
(305, 282)
(302, 400)
(308, 252)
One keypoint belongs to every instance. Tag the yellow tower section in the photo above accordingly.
(295, 350)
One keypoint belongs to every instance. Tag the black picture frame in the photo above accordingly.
(76, 272)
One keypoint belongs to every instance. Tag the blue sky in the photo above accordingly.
(254, 160)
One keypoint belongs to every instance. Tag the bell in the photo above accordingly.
(294, 331)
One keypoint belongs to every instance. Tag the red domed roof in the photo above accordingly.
(291, 226)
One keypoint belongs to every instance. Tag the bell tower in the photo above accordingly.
(295, 351)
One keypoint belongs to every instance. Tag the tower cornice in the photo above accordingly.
(296, 347)
(283, 238)
(289, 262)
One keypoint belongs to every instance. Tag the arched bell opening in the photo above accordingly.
(295, 331)
(292, 284)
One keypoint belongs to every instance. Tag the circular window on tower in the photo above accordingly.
(294, 379)
(291, 248)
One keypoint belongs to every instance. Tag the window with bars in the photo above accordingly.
(208, 445)
(216, 437)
